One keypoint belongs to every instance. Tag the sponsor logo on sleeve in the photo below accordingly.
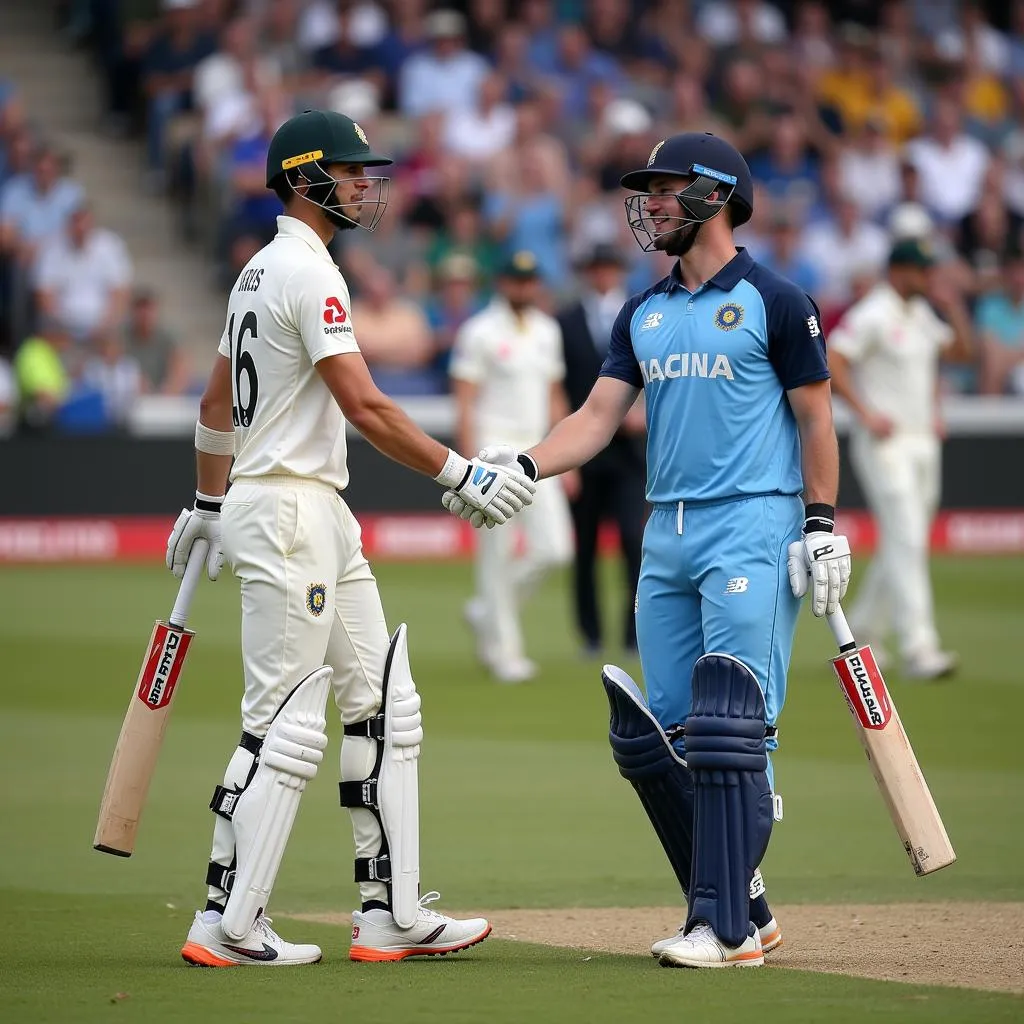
(335, 317)
(813, 328)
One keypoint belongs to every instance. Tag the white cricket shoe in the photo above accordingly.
(771, 938)
(208, 946)
(376, 938)
(930, 665)
(703, 948)
(517, 670)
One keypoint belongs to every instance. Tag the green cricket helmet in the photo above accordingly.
(304, 146)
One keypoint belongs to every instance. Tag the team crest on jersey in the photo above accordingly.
(359, 132)
(316, 598)
(334, 311)
(728, 316)
(651, 321)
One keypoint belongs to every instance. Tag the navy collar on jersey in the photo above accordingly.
(726, 279)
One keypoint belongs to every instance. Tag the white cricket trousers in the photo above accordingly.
(901, 478)
(505, 579)
(309, 599)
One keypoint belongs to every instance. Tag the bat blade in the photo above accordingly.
(893, 762)
(138, 745)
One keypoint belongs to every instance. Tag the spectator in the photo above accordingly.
(741, 106)
(488, 20)
(783, 253)
(512, 62)
(278, 30)
(841, 248)
(577, 66)
(811, 41)
(532, 213)
(321, 23)
(1000, 321)
(478, 134)
(464, 235)
(950, 163)
(42, 378)
(869, 169)
(974, 33)
(538, 18)
(83, 277)
(531, 141)
(178, 46)
(35, 208)
(394, 336)
(346, 57)
(789, 167)
(115, 376)
(447, 77)
(729, 22)
(688, 109)
(163, 367)
(985, 237)
(456, 299)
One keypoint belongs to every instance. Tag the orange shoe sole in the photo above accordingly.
(369, 955)
(199, 956)
(773, 942)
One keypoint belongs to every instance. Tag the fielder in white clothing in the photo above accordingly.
(884, 357)
(287, 378)
(507, 370)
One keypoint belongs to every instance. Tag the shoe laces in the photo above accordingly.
(262, 925)
(430, 897)
(700, 931)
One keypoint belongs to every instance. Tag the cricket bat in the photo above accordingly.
(142, 732)
(889, 752)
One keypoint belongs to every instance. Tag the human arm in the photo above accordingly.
(559, 409)
(214, 445)
(843, 385)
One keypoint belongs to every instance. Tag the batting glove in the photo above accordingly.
(820, 562)
(493, 492)
(498, 455)
(200, 521)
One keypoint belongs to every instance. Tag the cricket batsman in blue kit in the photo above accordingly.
(742, 460)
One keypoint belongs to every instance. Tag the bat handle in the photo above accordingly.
(841, 630)
(193, 570)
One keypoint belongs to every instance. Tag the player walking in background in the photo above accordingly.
(731, 360)
(884, 357)
(507, 371)
(288, 376)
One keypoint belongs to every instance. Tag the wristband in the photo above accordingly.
(208, 502)
(455, 471)
(529, 464)
(819, 518)
(214, 442)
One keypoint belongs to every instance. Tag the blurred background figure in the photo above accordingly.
(884, 357)
(1000, 319)
(507, 372)
(612, 485)
(163, 366)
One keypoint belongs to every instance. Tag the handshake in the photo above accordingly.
(490, 489)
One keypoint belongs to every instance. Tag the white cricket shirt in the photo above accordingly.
(289, 308)
(514, 360)
(893, 348)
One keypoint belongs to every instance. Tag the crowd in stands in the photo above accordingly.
(78, 343)
(511, 121)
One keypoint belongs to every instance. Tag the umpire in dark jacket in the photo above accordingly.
(613, 483)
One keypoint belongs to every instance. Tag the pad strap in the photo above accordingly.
(225, 798)
(221, 877)
(359, 794)
(369, 728)
(373, 869)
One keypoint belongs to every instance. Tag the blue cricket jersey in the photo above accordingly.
(715, 366)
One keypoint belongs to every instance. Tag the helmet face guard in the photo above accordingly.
(695, 203)
(321, 191)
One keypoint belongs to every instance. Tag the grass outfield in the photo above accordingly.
(521, 807)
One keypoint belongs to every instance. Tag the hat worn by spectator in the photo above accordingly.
(521, 266)
(603, 254)
(178, 5)
(444, 24)
(912, 252)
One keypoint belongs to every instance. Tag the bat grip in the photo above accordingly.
(841, 630)
(193, 570)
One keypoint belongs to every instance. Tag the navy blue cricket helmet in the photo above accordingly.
(714, 165)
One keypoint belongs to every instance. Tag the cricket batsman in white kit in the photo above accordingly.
(287, 378)
(507, 370)
(884, 356)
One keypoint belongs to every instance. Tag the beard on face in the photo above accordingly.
(679, 241)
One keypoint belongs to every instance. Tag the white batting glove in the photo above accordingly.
(496, 492)
(200, 521)
(498, 455)
(820, 562)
